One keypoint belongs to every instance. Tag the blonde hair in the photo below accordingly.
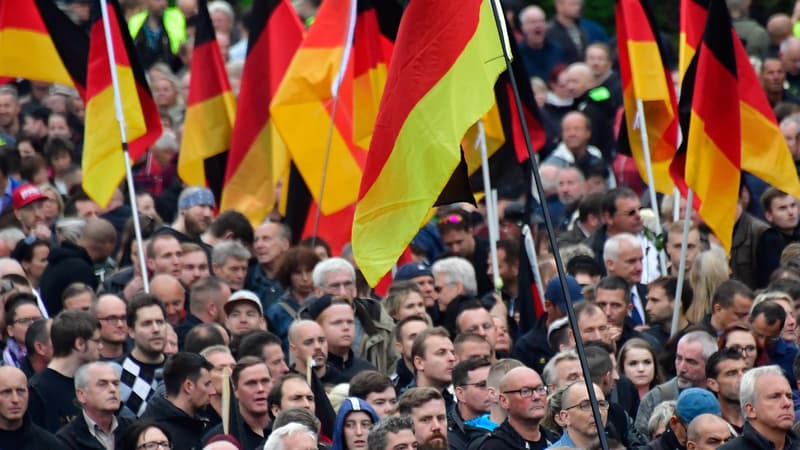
(709, 270)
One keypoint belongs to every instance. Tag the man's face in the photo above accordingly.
(410, 305)
(427, 286)
(9, 110)
(338, 324)
(202, 389)
(628, 264)
(233, 271)
(571, 187)
(690, 364)
(575, 132)
(197, 219)
(80, 302)
(673, 249)
(252, 389)
(32, 214)
(737, 314)
(219, 360)
(356, 428)
(773, 406)
(473, 349)
(339, 282)
(626, 218)
(111, 315)
(615, 304)
(402, 440)
(13, 397)
(102, 390)
(659, 308)
(243, 317)
(712, 436)
(507, 272)
(384, 403)
(194, 266)
(517, 406)
(475, 395)
(268, 244)
(173, 297)
(149, 331)
(568, 371)
(459, 242)
(430, 424)
(533, 26)
(310, 342)
(597, 59)
(765, 333)
(478, 321)
(576, 411)
(276, 362)
(772, 76)
(594, 327)
(729, 377)
(438, 361)
(790, 131)
(25, 315)
(166, 257)
(782, 213)
(446, 289)
(407, 334)
(297, 394)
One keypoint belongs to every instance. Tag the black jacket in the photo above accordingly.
(459, 434)
(29, 437)
(66, 264)
(506, 437)
(752, 439)
(185, 431)
(667, 441)
(532, 348)
(76, 435)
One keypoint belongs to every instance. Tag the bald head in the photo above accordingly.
(13, 397)
(10, 266)
(779, 27)
(171, 292)
(300, 328)
(579, 79)
(707, 431)
(516, 377)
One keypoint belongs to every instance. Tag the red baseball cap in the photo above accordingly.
(25, 195)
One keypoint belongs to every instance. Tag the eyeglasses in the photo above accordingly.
(113, 319)
(25, 320)
(528, 391)
(586, 405)
(155, 445)
(439, 289)
(744, 348)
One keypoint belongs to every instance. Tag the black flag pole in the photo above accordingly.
(499, 18)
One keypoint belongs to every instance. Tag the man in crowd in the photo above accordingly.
(172, 294)
(434, 359)
(230, 263)
(243, 313)
(427, 408)
(207, 305)
(691, 403)
(660, 307)
(623, 258)
(730, 306)
(194, 264)
(377, 390)
(17, 430)
(465, 419)
(392, 433)
(272, 240)
(456, 230)
(580, 430)
(195, 213)
(707, 432)
(110, 313)
(404, 333)
(308, 345)
(164, 255)
(724, 371)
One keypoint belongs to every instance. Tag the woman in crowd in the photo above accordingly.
(145, 435)
(32, 255)
(294, 272)
(741, 339)
(404, 299)
(637, 360)
(709, 270)
(353, 422)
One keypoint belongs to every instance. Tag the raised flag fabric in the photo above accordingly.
(210, 112)
(103, 162)
(444, 49)
(692, 23)
(726, 133)
(646, 78)
(258, 156)
(39, 42)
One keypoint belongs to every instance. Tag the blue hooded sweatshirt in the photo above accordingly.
(349, 405)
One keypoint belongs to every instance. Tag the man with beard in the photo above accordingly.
(724, 371)
(110, 312)
(308, 344)
(9, 112)
(766, 401)
(195, 213)
(571, 190)
(523, 396)
(147, 323)
(659, 307)
(426, 407)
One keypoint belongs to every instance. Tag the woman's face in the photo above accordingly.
(639, 366)
(37, 264)
(745, 343)
(302, 283)
(356, 429)
(165, 94)
(789, 333)
(411, 305)
(153, 439)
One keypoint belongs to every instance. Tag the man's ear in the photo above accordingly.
(712, 384)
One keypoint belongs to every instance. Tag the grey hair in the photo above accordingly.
(82, 374)
(613, 244)
(457, 270)
(329, 265)
(661, 414)
(168, 141)
(771, 296)
(549, 371)
(275, 441)
(215, 349)
(296, 415)
(571, 251)
(378, 436)
(228, 249)
(221, 6)
(70, 228)
(11, 236)
(747, 388)
(549, 174)
(706, 340)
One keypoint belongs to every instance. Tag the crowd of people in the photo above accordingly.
(234, 336)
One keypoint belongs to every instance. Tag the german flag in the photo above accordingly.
(210, 112)
(103, 161)
(275, 35)
(39, 42)
(728, 126)
(646, 78)
(692, 23)
(444, 49)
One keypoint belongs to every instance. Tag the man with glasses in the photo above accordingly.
(468, 419)
(110, 312)
(22, 310)
(523, 396)
(577, 417)
(475, 318)
(691, 403)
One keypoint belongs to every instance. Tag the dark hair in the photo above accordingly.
(16, 300)
(642, 345)
(275, 395)
(469, 305)
(723, 354)
(253, 342)
(599, 361)
(614, 283)
(416, 397)
(768, 196)
(726, 291)
(139, 301)
(299, 415)
(235, 222)
(591, 205)
(398, 328)
(37, 332)
(202, 336)
(57, 145)
(29, 166)
(511, 249)
(468, 337)
(462, 369)
(583, 264)
(129, 439)
(771, 310)
(292, 261)
(313, 242)
(68, 326)
(183, 366)
(23, 251)
(670, 286)
(245, 363)
(454, 219)
(787, 285)
(611, 197)
(369, 382)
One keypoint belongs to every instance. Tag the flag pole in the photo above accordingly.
(112, 62)
(676, 204)
(641, 122)
(499, 19)
(491, 209)
(335, 88)
(533, 259)
(682, 265)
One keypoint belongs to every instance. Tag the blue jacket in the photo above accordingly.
(349, 405)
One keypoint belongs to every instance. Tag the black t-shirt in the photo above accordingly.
(51, 402)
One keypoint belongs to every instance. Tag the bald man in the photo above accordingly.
(576, 414)
(171, 292)
(17, 431)
(110, 311)
(707, 432)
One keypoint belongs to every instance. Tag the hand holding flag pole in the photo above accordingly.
(124, 140)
